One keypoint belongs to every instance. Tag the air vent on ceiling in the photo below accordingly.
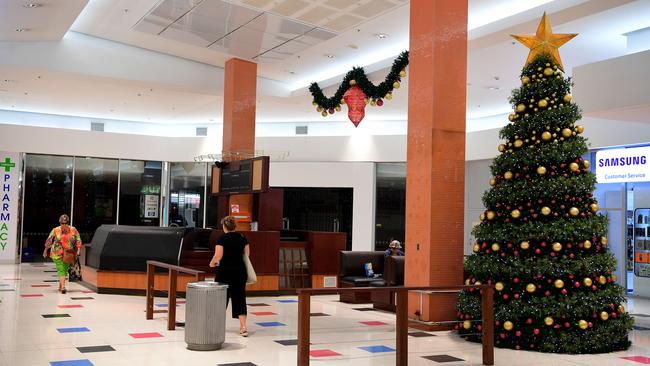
(97, 126)
(201, 131)
(301, 130)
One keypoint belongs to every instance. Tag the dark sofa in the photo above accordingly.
(393, 276)
(353, 274)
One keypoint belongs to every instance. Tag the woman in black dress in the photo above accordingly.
(229, 260)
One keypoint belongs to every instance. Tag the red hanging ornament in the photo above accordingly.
(355, 99)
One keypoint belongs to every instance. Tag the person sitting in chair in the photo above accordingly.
(394, 249)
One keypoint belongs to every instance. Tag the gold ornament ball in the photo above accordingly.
(524, 245)
(314, 103)
(493, 181)
(477, 283)
(396, 85)
(546, 136)
(587, 244)
(373, 102)
(583, 324)
(467, 324)
(559, 283)
(501, 148)
(496, 247)
(604, 315)
(541, 170)
(490, 215)
(574, 167)
(566, 132)
(567, 98)
(588, 282)
(467, 282)
(498, 286)
(511, 117)
(343, 101)
(389, 96)
(507, 175)
(353, 82)
(543, 103)
(580, 128)
(525, 80)
(324, 113)
(602, 280)
(531, 288)
(548, 71)
(338, 108)
(614, 278)
(508, 325)
(557, 247)
(594, 207)
(482, 216)
(548, 321)
(546, 211)
(603, 240)
(587, 164)
(621, 309)
(515, 214)
(518, 143)
(520, 107)
(319, 109)
(574, 211)
(476, 248)
(402, 73)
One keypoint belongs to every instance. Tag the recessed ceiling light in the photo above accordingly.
(329, 55)
(381, 35)
(353, 46)
(21, 29)
(32, 5)
(493, 87)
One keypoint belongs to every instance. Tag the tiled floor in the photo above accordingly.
(105, 330)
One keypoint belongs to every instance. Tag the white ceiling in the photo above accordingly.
(493, 60)
(40, 20)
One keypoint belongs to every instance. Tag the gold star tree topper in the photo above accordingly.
(544, 42)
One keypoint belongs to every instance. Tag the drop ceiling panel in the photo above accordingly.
(275, 24)
(271, 57)
(377, 7)
(315, 15)
(339, 4)
(345, 21)
(291, 47)
(316, 36)
(290, 7)
(256, 41)
(258, 3)
(165, 14)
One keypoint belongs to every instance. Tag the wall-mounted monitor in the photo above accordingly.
(241, 176)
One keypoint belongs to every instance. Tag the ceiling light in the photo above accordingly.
(493, 87)
(21, 29)
(32, 5)
(381, 35)
(329, 55)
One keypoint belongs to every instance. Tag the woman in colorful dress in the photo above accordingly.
(63, 237)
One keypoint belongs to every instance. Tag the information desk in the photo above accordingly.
(115, 260)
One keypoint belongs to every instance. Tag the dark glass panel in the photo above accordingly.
(140, 192)
(390, 204)
(186, 190)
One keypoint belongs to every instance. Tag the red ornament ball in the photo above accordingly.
(529, 321)
(380, 102)
(331, 110)
(536, 331)
(518, 333)
(564, 292)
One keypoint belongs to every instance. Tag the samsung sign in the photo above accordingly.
(623, 165)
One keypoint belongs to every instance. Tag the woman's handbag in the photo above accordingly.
(250, 271)
(69, 256)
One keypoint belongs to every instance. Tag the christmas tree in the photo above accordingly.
(541, 242)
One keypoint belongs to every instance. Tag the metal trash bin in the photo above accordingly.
(205, 315)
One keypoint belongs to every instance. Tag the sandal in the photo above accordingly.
(243, 332)
(63, 290)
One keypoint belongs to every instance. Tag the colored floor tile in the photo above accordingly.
(74, 306)
(163, 305)
(51, 281)
(258, 304)
(55, 315)
(72, 363)
(287, 301)
(318, 314)
(421, 334)
(377, 349)
(32, 295)
(288, 342)
(373, 323)
(323, 353)
(145, 335)
(54, 271)
(82, 298)
(263, 313)
(6, 289)
(41, 286)
(92, 349)
(365, 309)
(442, 358)
(238, 364)
(271, 324)
(640, 359)
(73, 330)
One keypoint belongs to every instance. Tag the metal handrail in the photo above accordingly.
(171, 290)
(401, 326)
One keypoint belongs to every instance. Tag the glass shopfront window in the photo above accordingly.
(48, 195)
(186, 194)
(95, 195)
(390, 204)
(140, 191)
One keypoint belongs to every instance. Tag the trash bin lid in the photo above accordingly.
(206, 284)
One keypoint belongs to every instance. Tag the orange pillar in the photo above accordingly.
(239, 100)
(435, 169)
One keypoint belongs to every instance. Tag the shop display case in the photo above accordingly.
(641, 240)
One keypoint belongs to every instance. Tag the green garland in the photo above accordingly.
(358, 76)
